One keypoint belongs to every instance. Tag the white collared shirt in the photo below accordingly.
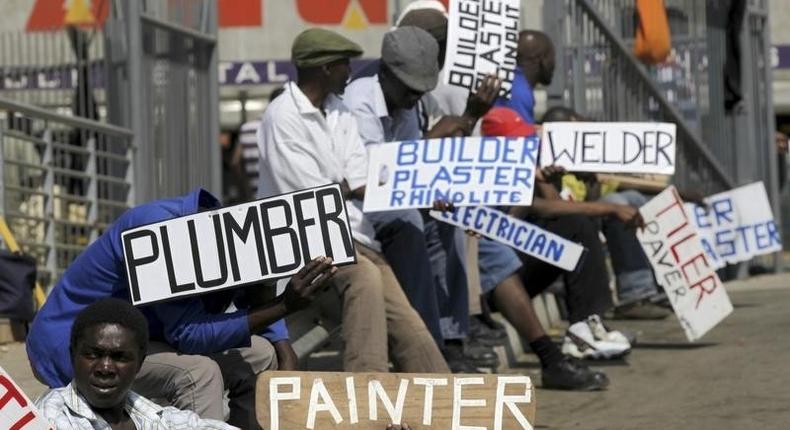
(300, 148)
(65, 408)
(365, 98)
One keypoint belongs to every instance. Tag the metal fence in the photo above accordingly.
(721, 143)
(599, 76)
(162, 64)
(63, 180)
(61, 70)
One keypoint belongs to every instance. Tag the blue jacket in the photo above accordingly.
(522, 98)
(99, 272)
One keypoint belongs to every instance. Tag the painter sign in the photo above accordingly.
(681, 266)
(237, 245)
(17, 412)
(371, 401)
(517, 234)
(482, 39)
(464, 171)
(610, 147)
(737, 225)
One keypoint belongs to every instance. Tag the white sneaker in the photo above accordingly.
(601, 332)
(580, 343)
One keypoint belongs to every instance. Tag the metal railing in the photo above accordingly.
(63, 70)
(600, 77)
(63, 180)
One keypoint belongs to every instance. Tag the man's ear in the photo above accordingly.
(143, 354)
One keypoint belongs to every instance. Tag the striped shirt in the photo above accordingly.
(65, 408)
(250, 154)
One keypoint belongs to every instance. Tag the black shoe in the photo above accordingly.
(479, 354)
(485, 334)
(570, 374)
(456, 361)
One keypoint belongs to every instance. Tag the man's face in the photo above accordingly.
(397, 94)
(106, 360)
(339, 73)
(547, 65)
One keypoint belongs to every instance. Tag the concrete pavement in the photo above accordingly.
(734, 378)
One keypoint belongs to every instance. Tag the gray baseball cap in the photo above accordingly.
(412, 55)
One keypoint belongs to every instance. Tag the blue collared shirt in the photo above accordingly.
(99, 272)
(522, 98)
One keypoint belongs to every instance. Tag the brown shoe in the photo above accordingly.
(641, 311)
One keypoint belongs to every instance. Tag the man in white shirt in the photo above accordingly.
(308, 138)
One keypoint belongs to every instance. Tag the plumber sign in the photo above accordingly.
(238, 245)
(610, 147)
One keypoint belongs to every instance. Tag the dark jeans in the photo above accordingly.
(428, 259)
(587, 287)
(635, 280)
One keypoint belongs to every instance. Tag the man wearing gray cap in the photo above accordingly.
(307, 138)
(384, 104)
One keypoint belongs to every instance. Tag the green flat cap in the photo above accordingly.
(316, 47)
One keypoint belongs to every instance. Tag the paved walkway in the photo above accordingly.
(735, 378)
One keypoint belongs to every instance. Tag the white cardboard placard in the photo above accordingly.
(610, 147)
(271, 238)
(517, 234)
(737, 226)
(681, 265)
(465, 171)
(482, 39)
(16, 409)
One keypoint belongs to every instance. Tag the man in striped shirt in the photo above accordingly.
(250, 154)
(109, 340)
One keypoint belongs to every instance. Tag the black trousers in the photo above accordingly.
(587, 287)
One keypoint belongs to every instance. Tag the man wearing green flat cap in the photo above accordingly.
(307, 138)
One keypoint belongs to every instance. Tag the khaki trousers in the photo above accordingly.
(198, 382)
(379, 322)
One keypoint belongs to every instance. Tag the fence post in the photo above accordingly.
(49, 205)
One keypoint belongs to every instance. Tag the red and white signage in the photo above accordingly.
(16, 410)
(681, 265)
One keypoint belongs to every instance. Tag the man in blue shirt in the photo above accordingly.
(197, 351)
(535, 59)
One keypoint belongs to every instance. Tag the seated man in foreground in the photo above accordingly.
(109, 340)
(197, 350)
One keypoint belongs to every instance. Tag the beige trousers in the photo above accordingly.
(198, 382)
(379, 322)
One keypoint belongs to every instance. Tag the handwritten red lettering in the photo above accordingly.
(23, 421)
(11, 393)
(702, 284)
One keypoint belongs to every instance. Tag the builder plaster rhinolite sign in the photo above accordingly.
(610, 147)
(464, 171)
(237, 245)
(517, 234)
(16, 410)
(737, 225)
(482, 39)
(370, 401)
(681, 265)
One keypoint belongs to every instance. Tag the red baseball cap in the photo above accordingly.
(502, 121)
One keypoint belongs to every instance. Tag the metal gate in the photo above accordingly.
(162, 78)
(718, 147)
